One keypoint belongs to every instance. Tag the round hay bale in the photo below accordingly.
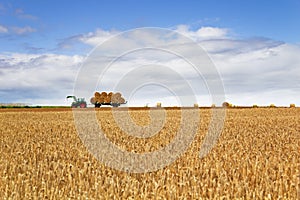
(108, 98)
(213, 105)
(97, 94)
(272, 105)
(292, 105)
(93, 100)
(158, 105)
(255, 106)
(196, 105)
(118, 94)
(100, 100)
(226, 105)
(122, 100)
(97, 99)
(115, 98)
(103, 94)
(110, 94)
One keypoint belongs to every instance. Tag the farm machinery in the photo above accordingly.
(77, 102)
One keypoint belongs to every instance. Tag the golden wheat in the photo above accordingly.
(256, 157)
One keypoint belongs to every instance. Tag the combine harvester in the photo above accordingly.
(111, 99)
(78, 102)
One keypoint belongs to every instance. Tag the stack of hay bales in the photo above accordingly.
(110, 97)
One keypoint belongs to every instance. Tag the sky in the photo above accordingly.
(253, 45)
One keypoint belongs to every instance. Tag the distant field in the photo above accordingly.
(29, 107)
(257, 157)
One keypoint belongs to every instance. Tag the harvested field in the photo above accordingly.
(256, 157)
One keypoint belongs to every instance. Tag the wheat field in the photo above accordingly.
(256, 157)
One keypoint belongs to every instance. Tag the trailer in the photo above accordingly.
(99, 104)
(109, 99)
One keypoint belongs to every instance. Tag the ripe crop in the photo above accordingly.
(257, 157)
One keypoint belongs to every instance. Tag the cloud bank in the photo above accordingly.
(37, 79)
(17, 30)
(254, 70)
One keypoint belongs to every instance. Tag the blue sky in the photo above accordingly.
(67, 30)
(54, 21)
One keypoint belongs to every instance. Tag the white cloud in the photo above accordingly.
(210, 32)
(97, 37)
(17, 30)
(255, 68)
(23, 30)
(203, 33)
(3, 29)
(254, 71)
(21, 14)
(37, 78)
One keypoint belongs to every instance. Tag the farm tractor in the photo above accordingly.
(78, 102)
